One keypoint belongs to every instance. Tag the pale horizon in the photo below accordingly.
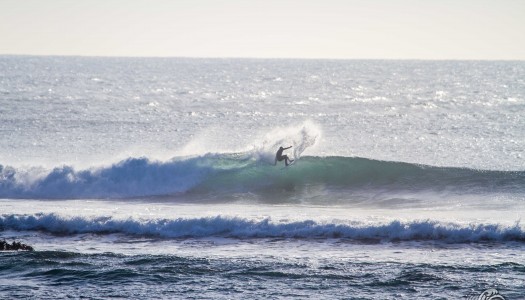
(400, 30)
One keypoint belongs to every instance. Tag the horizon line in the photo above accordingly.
(260, 58)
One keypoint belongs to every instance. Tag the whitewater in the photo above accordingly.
(156, 178)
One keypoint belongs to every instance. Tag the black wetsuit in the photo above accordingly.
(280, 157)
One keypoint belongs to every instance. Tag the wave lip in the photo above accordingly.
(235, 227)
(133, 177)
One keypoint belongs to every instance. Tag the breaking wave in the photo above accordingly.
(252, 174)
(227, 174)
(235, 227)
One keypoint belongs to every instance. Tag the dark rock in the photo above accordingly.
(4, 246)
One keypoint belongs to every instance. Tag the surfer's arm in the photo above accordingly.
(287, 148)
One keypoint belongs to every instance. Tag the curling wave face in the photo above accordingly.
(226, 175)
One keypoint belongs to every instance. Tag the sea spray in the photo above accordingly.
(300, 137)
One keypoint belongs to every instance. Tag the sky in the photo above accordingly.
(335, 29)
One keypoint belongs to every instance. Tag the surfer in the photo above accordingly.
(279, 156)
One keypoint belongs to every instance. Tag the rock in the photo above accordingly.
(14, 246)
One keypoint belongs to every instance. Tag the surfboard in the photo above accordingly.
(293, 162)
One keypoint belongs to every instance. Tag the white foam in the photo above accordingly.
(236, 227)
(300, 137)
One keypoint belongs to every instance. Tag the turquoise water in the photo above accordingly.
(155, 178)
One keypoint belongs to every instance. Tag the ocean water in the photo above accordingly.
(155, 178)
